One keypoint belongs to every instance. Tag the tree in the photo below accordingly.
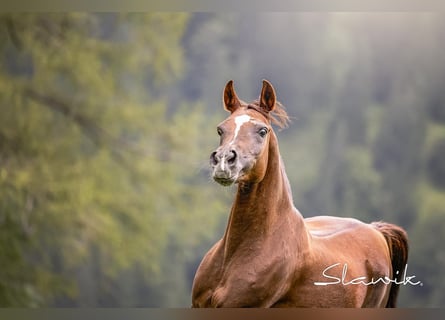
(90, 176)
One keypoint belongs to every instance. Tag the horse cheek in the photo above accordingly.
(261, 164)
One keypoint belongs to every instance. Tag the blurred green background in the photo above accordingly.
(107, 121)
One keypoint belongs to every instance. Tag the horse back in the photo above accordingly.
(343, 249)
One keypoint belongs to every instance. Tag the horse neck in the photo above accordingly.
(261, 209)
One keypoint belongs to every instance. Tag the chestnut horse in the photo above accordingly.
(270, 256)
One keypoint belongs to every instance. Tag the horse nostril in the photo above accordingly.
(232, 157)
(213, 158)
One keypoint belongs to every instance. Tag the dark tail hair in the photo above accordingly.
(397, 241)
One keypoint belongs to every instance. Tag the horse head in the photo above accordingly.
(244, 137)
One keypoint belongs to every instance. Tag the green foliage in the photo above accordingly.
(90, 182)
(436, 165)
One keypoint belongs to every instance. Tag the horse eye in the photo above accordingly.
(220, 131)
(263, 131)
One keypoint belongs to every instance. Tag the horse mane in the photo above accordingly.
(278, 116)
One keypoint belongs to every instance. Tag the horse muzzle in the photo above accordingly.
(224, 164)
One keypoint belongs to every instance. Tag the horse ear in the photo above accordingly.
(267, 98)
(230, 99)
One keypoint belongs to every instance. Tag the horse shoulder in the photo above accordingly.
(259, 282)
(207, 276)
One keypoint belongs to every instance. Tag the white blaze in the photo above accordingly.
(239, 121)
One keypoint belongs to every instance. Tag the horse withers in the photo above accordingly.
(270, 256)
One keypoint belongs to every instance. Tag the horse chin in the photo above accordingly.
(226, 182)
(226, 179)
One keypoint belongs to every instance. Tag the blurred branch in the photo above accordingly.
(92, 130)
(13, 33)
(99, 136)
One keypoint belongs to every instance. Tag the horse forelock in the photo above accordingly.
(278, 116)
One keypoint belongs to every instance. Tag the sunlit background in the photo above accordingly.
(107, 122)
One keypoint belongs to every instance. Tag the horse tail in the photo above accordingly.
(397, 241)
